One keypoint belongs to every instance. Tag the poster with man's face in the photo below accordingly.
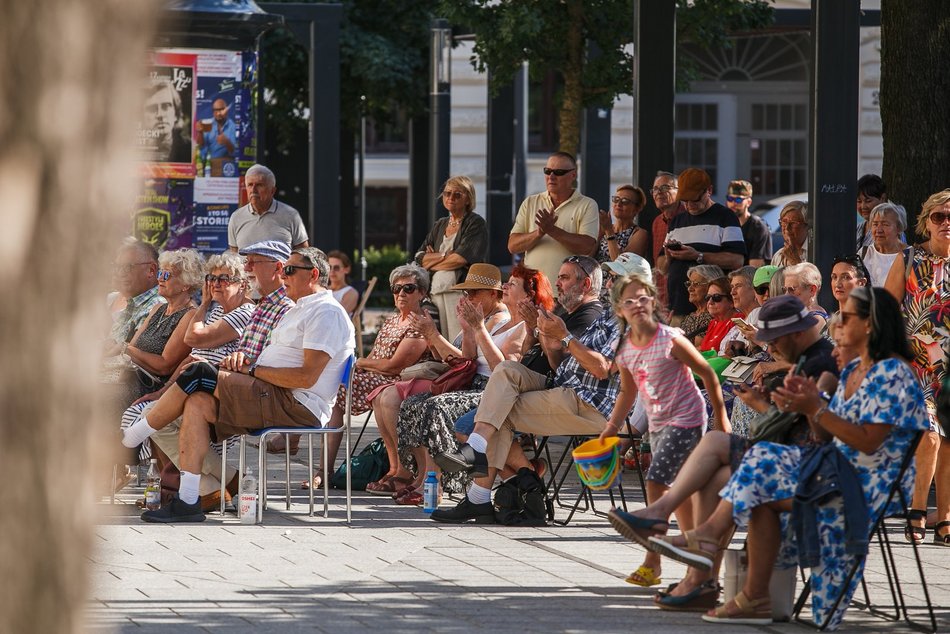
(164, 131)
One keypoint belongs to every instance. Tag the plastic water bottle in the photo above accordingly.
(430, 493)
(248, 500)
(153, 486)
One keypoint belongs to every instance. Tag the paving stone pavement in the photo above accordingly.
(394, 570)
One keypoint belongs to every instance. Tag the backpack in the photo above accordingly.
(522, 501)
(368, 466)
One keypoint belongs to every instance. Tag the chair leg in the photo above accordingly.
(326, 490)
(262, 479)
(310, 470)
(349, 471)
(224, 471)
(241, 470)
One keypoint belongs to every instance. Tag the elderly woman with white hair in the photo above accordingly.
(158, 346)
(888, 223)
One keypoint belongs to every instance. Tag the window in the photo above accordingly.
(543, 100)
(697, 142)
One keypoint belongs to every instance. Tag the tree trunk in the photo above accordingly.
(71, 83)
(573, 102)
(915, 91)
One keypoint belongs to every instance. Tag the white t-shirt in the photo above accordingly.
(317, 322)
(878, 264)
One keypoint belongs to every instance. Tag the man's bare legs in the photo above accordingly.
(200, 411)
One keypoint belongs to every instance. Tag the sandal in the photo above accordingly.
(636, 529)
(693, 554)
(413, 498)
(941, 540)
(916, 533)
(317, 483)
(702, 598)
(386, 486)
(758, 612)
(403, 491)
(644, 577)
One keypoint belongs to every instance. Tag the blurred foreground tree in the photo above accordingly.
(69, 187)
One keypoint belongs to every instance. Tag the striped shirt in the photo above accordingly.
(265, 316)
(670, 395)
(238, 319)
(601, 336)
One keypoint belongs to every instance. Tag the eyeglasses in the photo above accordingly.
(791, 224)
(716, 297)
(790, 290)
(224, 279)
(163, 275)
(290, 269)
(939, 217)
(633, 302)
(548, 171)
(452, 195)
(399, 288)
(125, 269)
(762, 289)
(663, 189)
(587, 264)
(689, 284)
(735, 199)
(617, 200)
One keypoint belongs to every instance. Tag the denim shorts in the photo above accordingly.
(465, 424)
(671, 447)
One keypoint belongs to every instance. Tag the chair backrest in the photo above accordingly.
(348, 371)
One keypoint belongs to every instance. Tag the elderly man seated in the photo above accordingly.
(293, 383)
(516, 398)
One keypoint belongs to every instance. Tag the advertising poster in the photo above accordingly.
(164, 130)
(164, 214)
(219, 113)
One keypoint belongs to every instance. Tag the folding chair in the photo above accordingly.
(900, 606)
(358, 315)
(309, 432)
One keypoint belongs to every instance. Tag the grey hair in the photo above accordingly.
(144, 248)
(662, 174)
(708, 272)
(188, 265)
(777, 283)
(416, 272)
(891, 208)
(746, 272)
(805, 272)
(230, 261)
(319, 260)
(268, 175)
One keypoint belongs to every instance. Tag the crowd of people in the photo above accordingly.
(689, 331)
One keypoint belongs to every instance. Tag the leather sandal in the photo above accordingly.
(758, 612)
(693, 554)
(403, 491)
(386, 486)
(941, 540)
(916, 533)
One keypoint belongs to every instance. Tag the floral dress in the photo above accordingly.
(927, 319)
(889, 394)
(365, 381)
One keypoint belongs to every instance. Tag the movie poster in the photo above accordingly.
(164, 130)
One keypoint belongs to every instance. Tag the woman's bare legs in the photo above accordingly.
(927, 458)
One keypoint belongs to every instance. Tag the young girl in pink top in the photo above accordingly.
(656, 363)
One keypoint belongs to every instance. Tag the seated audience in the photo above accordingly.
(794, 226)
(721, 311)
(694, 325)
(340, 266)
(623, 235)
(804, 282)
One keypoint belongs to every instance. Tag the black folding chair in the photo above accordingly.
(899, 610)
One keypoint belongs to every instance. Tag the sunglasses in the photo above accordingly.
(633, 302)
(762, 289)
(735, 199)
(290, 269)
(452, 195)
(163, 275)
(409, 288)
(548, 171)
(716, 297)
(939, 217)
(587, 264)
(854, 260)
(617, 200)
(224, 279)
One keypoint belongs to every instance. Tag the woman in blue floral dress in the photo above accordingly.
(872, 419)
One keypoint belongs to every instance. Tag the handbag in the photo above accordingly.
(368, 466)
(424, 370)
(458, 377)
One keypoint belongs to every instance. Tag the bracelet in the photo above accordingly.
(613, 237)
(821, 410)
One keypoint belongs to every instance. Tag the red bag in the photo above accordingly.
(458, 377)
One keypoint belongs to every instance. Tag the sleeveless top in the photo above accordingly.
(159, 329)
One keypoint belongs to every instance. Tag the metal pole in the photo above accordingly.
(362, 188)
(439, 111)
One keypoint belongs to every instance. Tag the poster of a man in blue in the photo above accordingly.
(197, 139)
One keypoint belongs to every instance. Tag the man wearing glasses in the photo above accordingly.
(755, 233)
(664, 193)
(707, 233)
(134, 275)
(556, 223)
(294, 383)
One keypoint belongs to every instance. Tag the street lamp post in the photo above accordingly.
(439, 110)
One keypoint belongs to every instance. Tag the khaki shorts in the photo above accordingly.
(246, 403)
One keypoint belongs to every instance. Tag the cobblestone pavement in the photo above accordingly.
(394, 570)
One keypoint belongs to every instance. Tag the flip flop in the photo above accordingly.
(636, 529)
(644, 577)
(758, 612)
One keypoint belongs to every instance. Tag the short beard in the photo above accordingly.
(570, 300)
(254, 285)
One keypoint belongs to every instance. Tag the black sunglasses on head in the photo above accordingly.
(587, 264)
(855, 260)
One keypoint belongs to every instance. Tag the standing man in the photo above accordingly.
(556, 223)
(707, 233)
(293, 383)
(221, 139)
(263, 217)
(664, 197)
(755, 233)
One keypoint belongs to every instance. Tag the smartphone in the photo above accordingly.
(739, 321)
(798, 366)
(675, 245)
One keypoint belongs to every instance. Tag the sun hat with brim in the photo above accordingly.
(481, 277)
(630, 264)
(782, 315)
(273, 249)
(764, 274)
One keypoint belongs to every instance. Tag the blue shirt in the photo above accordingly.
(601, 336)
(213, 149)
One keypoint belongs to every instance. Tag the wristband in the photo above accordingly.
(613, 237)
(251, 370)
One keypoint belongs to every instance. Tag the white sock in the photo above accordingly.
(478, 495)
(478, 443)
(136, 433)
(188, 489)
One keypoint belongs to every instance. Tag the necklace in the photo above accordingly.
(454, 223)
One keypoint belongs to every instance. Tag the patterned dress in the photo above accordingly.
(889, 394)
(365, 381)
(927, 318)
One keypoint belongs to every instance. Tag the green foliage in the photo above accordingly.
(383, 55)
(380, 263)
